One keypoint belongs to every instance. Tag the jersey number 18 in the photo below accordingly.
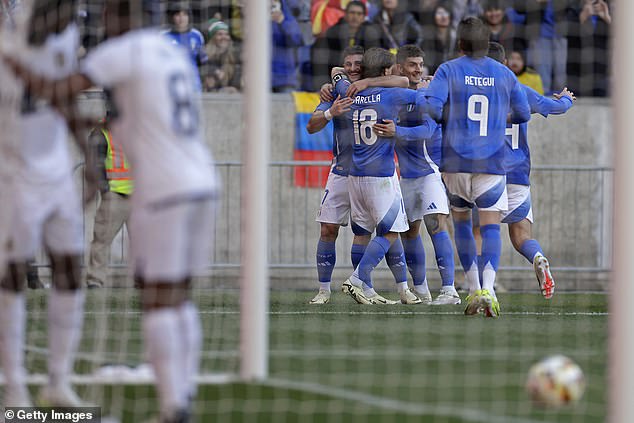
(362, 123)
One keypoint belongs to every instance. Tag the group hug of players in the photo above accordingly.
(461, 141)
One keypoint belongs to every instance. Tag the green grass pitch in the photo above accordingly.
(344, 362)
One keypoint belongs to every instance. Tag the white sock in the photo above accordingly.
(423, 288)
(401, 286)
(12, 330)
(354, 280)
(65, 318)
(488, 276)
(162, 335)
(192, 337)
(473, 279)
(324, 286)
(369, 292)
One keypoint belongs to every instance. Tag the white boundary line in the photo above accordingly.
(370, 313)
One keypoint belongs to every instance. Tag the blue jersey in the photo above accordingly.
(342, 141)
(194, 42)
(418, 143)
(373, 155)
(472, 98)
(518, 157)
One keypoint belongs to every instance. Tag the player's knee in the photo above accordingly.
(435, 223)
(413, 231)
(66, 272)
(329, 232)
(15, 278)
(158, 294)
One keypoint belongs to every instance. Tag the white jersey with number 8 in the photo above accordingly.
(158, 119)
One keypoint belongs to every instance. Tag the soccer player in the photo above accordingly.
(175, 186)
(46, 208)
(418, 151)
(375, 196)
(519, 215)
(472, 95)
(335, 206)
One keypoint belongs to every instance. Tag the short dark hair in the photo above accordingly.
(375, 61)
(473, 37)
(357, 3)
(349, 51)
(493, 5)
(496, 51)
(174, 7)
(407, 51)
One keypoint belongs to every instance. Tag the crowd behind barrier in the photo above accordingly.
(550, 43)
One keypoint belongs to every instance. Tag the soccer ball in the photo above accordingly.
(555, 381)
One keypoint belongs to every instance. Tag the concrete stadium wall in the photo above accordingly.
(572, 208)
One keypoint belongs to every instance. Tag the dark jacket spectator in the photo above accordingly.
(222, 72)
(502, 29)
(287, 36)
(589, 49)
(351, 30)
(439, 39)
(398, 26)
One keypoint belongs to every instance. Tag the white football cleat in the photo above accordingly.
(544, 277)
(447, 296)
(379, 299)
(408, 297)
(322, 297)
(60, 396)
(356, 292)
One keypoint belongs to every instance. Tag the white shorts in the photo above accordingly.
(520, 206)
(335, 204)
(487, 192)
(423, 196)
(49, 214)
(376, 203)
(173, 242)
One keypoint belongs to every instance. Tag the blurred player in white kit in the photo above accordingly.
(153, 87)
(46, 207)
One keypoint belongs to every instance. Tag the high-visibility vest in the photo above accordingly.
(117, 167)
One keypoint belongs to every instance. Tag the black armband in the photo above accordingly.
(338, 77)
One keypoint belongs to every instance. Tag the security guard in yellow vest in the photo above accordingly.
(113, 211)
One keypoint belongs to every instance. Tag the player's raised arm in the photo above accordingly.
(389, 81)
(520, 109)
(550, 106)
(325, 112)
(433, 98)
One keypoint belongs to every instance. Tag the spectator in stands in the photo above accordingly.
(502, 30)
(222, 73)
(588, 49)
(547, 26)
(398, 26)
(286, 38)
(465, 8)
(326, 13)
(183, 34)
(351, 30)
(525, 75)
(439, 40)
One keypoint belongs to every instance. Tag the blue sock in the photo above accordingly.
(465, 243)
(326, 258)
(356, 252)
(415, 258)
(374, 253)
(444, 257)
(480, 267)
(491, 246)
(395, 259)
(529, 248)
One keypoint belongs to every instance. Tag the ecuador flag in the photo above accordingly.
(316, 146)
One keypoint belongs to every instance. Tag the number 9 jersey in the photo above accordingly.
(472, 98)
(157, 114)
